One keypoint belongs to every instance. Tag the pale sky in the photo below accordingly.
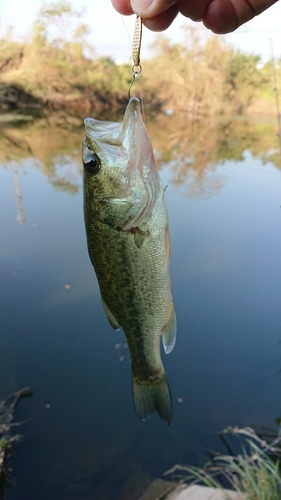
(110, 37)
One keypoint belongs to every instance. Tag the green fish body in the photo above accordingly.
(128, 242)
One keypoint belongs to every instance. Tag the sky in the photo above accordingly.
(111, 33)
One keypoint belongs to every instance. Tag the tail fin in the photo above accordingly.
(151, 396)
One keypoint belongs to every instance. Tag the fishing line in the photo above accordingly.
(215, 250)
(127, 31)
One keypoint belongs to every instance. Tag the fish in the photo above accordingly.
(127, 232)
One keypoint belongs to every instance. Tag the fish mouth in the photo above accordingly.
(116, 133)
(131, 117)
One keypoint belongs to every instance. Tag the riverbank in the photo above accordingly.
(15, 97)
(173, 491)
(66, 74)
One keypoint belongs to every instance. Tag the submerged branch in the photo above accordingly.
(7, 439)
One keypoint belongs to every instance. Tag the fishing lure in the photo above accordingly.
(136, 48)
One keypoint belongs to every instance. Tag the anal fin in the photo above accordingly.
(169, 331)
(110, 317)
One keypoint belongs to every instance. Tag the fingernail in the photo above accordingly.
(140, 5)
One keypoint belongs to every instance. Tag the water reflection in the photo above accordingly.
(193, 147)
(20, 216)
(88, 442)
(53, 145)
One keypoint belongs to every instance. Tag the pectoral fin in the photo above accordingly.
(169, 331)
(110, 317)
(140, 236)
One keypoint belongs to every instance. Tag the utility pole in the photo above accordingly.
(275, 88)
(20, 216)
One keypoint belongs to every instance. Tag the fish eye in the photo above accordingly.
(92, 164)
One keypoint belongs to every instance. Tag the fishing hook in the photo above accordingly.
(136, 47)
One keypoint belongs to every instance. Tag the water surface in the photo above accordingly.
(84, 439)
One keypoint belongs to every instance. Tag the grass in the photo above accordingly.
(252, 472)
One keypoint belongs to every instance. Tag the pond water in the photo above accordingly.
(83, 439)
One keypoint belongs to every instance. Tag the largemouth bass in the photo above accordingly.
(128, 242)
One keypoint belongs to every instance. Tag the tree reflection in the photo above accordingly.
(52, 146)
(192, 146)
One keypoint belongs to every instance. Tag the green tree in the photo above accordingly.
(243, 78)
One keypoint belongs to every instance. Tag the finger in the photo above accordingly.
(224, 16)
(195, 10)
(220, 16)
(151, 8)
(259, 6)
(162, 21)
(122, 6)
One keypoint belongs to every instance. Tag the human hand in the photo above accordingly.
(220, 16)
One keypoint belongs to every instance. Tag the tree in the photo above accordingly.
(56, 24)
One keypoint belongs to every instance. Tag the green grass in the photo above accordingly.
(251, 472)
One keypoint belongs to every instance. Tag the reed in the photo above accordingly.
(255, 471)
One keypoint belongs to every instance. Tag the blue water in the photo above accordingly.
(83, 439)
